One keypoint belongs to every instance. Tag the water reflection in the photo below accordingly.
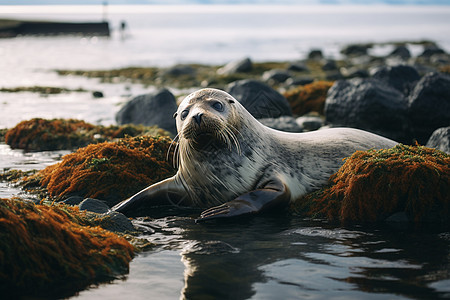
(280, 256)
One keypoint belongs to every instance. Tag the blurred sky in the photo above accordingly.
(299, 2)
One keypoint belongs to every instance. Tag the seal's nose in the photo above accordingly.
(198, 118)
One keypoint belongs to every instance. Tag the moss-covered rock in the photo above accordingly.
(308, 98)
(111, 171)
(46, 90)
(52, 251)
(58, 134)
(373, 185)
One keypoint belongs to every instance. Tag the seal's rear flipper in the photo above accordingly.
(273, 193)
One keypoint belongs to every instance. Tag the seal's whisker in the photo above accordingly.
(170, 146)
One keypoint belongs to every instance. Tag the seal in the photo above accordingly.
(228, 161)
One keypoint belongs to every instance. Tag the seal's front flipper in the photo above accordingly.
(273, 193)
(166, 192)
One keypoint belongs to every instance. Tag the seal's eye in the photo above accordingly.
(218, 106)
(184, 114)
(175, 115)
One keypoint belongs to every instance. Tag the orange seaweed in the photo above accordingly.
(308, 98)
(48, 251)
(58, 134)
(110, 171)
(372, 185)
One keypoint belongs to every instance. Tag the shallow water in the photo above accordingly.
(281, 257)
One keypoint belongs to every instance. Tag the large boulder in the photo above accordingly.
(150, 109)
(429, 105)
(236, 66)
(440, 139)
(259, 99)
(401, 77)
(368, 104)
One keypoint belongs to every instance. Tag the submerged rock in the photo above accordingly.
(429, 105)
(54, 251)
(368, 104)
(440, 139)
(150, 109)
(259, 99)
(373, 185)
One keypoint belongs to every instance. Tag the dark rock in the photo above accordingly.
(431, 50)
(277, 76)
(315, 54)
(284, 123)
(354, 73)
(118, 222)
(97, 94)
(440, 139)
(237, 66)
(179, 70)
(94, 205)
(399, 217)
(330, 65)
(310, 123)
(355, 50)
(429, 105)
(298, 81)
(150, 109)
(401, 52)
(74, 200)
(259, 99)
(402, 77)
(368, 104)
(298, 66)
(335, 75)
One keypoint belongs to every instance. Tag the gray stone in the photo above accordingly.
(354, 73)
(94, 205)
(298, 66)
(330, 65)
(179, 70)
(118, 222)
(310, 123)
(237, 66)
(429, 105)
(355, 50)
(284, 123)
(315, 54)
(259, 99)
(430, 50)
(371, 105)
(150, 109)
(298, 81)
(440, 139)
(275, 75)
(401, 77)
(401, 52)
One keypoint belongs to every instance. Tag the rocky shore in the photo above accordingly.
(400, 96)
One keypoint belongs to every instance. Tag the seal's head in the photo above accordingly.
(206, 117)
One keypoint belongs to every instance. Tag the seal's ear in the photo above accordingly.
(231, 101)
(175, 115)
